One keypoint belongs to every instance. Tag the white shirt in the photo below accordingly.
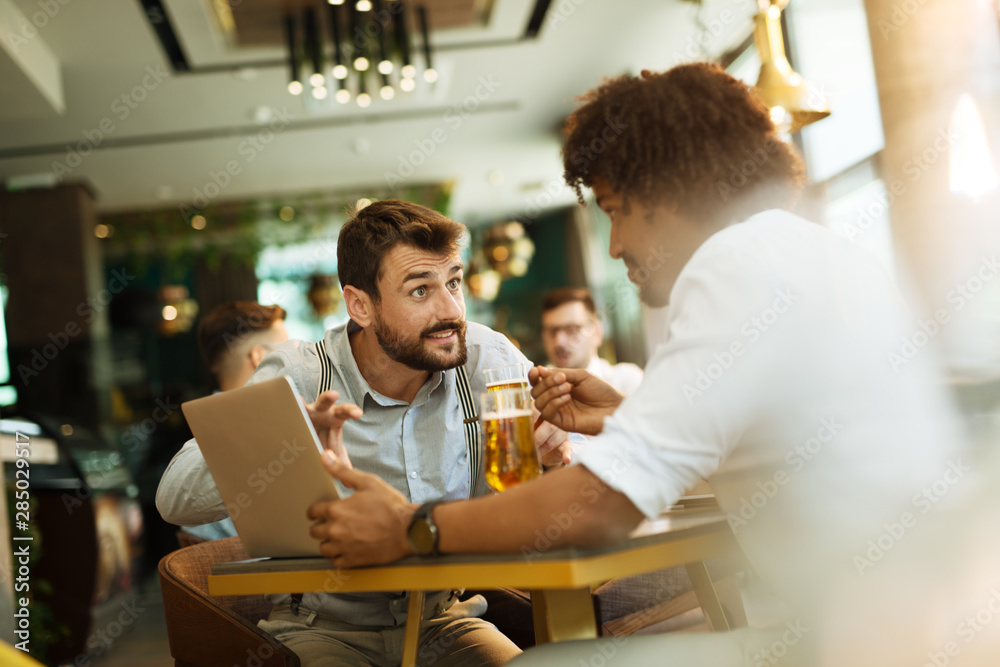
(774, 382)
(624, 377)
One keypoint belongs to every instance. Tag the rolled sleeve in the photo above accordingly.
(187, 495)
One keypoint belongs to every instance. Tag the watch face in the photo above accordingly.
(421, 537)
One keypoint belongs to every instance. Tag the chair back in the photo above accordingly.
(206, 630)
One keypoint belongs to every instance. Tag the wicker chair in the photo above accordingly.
(208, 631)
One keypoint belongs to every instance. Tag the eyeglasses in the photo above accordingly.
(571, 330)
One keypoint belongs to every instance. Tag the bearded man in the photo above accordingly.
(383, 391)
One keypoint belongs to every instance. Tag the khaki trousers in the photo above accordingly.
(452, 634)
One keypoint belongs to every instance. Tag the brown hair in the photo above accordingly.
(230, 323)
(563, 295)
(372, 231)
(693, 136)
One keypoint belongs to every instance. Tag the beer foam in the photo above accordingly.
(507, 414)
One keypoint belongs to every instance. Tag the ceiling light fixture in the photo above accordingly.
(294, 85)
(430, 74)
(314, 47)
(793, 103)
(373, 40)
(364, 99)
(407, 71)
(339, 70)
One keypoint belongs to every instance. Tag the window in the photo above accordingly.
(284, 274)
(8, 394)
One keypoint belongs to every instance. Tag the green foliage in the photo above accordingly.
(239, 230)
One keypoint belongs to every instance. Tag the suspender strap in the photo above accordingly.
(326, 370)
(326, 375)
(473, 436)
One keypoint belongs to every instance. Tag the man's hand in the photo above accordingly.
(573, 399)
(554, 447)
(366, 528)
(328, 419)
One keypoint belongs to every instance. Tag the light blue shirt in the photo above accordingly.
(418, 447)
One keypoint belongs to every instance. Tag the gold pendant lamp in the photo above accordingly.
(792, 102)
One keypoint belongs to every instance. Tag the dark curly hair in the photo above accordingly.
(371, 232)
(692, 135)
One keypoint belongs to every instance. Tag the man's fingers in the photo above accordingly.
(548, 434)
(325, 400)
(544, 401)
(549, 391)
(543, 384)
(351, 478)
(318, 510)
(347, 411)
(336, 445)
(552, 381)
(537, 374)
(554, 413)
(333, 415)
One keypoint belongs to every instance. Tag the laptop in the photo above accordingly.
(265, 457)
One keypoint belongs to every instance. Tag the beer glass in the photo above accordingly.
(511, 457)
(506, 377)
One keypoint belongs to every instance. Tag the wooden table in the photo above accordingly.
(560, 580)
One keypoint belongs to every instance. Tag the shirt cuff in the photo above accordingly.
(634, 469)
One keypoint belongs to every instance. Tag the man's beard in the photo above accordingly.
(414, 354)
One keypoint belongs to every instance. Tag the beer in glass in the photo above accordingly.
(506, 377)
(511, 457)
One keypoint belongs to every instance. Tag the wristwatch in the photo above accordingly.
(422, 535)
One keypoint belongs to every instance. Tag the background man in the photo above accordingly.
(397, 365)
(573, 332)
(234, 338)
(772, 382)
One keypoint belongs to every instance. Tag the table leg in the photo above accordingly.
(563, 614)
(707, 597)
(414, 617)
(732, 601)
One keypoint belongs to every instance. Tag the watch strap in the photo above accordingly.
(425, 513)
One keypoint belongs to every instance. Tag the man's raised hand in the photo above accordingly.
(573, 399)
(328, 419)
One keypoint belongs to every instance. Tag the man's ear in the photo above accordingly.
(360, 306)
(257, 354)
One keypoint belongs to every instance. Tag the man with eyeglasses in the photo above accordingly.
(572, 332)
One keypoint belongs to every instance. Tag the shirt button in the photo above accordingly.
(413, 475)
